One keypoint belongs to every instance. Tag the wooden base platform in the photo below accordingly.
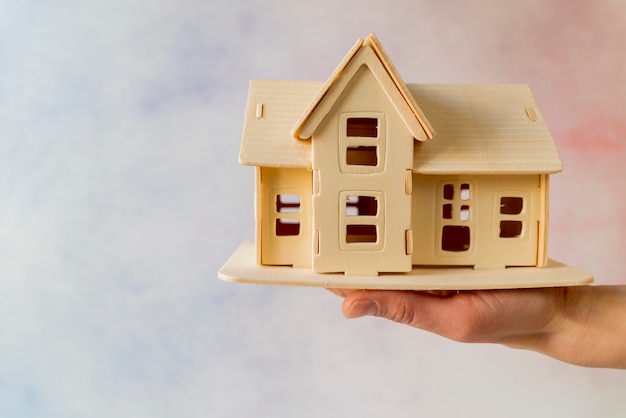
(241, 267)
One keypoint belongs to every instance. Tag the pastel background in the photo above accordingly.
(121, 196)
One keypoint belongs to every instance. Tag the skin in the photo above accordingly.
(585, 325)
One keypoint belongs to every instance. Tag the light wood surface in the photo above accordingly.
(242, 268)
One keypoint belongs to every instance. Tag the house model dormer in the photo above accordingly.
(366, 182)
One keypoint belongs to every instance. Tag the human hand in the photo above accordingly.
(581, 325)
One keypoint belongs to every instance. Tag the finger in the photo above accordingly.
(453, 316)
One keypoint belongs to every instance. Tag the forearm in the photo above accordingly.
(588, 328)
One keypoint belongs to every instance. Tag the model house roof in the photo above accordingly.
(484, 129)
(370, 53)
(481, 129)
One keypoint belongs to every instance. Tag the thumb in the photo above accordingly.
(405, 307)
(359, 308)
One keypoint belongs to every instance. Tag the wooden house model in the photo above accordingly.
(365, 181)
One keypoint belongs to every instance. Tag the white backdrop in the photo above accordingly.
(121, 196)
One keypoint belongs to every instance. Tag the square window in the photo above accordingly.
(511, 229)
(455, 238)
(448, 191)
(361, 234)
(367, 156)
(287, 227)
(361, 206)
(362, 127)
(511, 205)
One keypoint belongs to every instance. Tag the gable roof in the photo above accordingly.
(370, 53)
(484, 129)
(481, 128)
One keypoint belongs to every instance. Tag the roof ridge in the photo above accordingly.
(374, 44)
(373, 41)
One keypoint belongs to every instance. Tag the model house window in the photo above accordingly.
(287, 203)
(361, 206)
(367, 156)
(512, 217)
(362, 142)
(456, 222)
(286, 227)
(361, 233)
(455, 238)
(361, 220)
(466, 193)
(286, 214)
(511, 205)
(465, 213)
(511, 229)
(363, 127)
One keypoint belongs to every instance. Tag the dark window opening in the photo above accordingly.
(287, 203)
(455, 238)
(287, 227)
(362, 156)
(447, 211)
(363, 127)
(448, 191)
(511, 205)
(361, 206)
(361, 233)
(510, 229)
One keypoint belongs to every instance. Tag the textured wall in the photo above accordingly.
(120, 197)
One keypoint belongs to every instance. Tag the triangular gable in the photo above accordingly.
(367, 52)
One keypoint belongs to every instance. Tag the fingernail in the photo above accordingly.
(362, 308)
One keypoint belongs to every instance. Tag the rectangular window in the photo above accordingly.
(287, 227)
(287, 203)
(511, 216)
(465, 213)
(361, 155)
(287, 217)
(362, 142)
(465, 192)
(361, 220)
(455, 199)
(361, 233)
(511, 205)
(511, 229)
(362, 127)
(447, 211)
(361, 206)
